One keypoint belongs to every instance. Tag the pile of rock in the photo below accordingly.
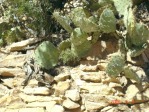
(85, 88)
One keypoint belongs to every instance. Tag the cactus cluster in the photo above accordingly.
(87, 23)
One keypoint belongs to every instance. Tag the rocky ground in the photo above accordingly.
(84, 88)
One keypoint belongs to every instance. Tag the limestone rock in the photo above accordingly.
(102, 66)
(92, 76)
(73, 94)
(5, 100)
(94, 105)
(13, 61)
(112, 85)
(3, 110)
(57, 108)
(33, 98)
(75, 73)
(144, 107)
(61, 87)
(90, 68)
(8, 82)
(70, 104)
(21, 45)
(3, 90)
(146, 93)
(106, 109)
(11, 110)
(37, 90)
(97, 88)
(131, 92)
(11, 72)
(95, 101)
(37, 109)
(62, 77)
(41, 104)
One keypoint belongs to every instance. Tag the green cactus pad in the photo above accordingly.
(104, 2)
(68, 55)
(129, 73)
(137, 50)
(64, 45)
(115, 66)
(107, 21)
(46, 55)
(81, 18)
(122, 5)
(139, 34)
(63, 20)
(80, 45)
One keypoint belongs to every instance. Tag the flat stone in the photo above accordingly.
(36, 109)
(96, 98)
(13, 61)
(57, 108)
(62, 77)
(33, 98)
(61, 87)
(3, 90)
(102, 66)
(8, 82)
(131, 92)
(92, 76)
(142, 75)
(97, 88)
(94, 106)
(143, 106)
(106, 109)
(75, 73)
(41, 104)
(37, 90)
(146, 93)
(11, 72)
(33, 83)
(91, 68)
(21, 45)
(70, 104)
(2, 109)
(113, 85)
(11, 110)
(73, 94)
(5, 100)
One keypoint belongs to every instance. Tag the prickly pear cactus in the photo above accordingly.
(122, 5)
(64, 21)
(115, 66)
(46, 55)
(104, 2)
(139, 34)
(82, 18)
(137, 50)
(64, 45)
(129, 73)
(107, 21)
(80, 45)
(68, 56)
